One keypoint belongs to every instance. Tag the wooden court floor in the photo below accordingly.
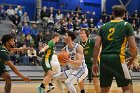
(21, 87)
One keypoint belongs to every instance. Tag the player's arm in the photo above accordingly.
(64, 49)
(132, 46)
(16, 71)
(44, 49)
(7, 61)
(133, 49)
(18, 49)
(79, 57)
(131, 42)
(96, 50)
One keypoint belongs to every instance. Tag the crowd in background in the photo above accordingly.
(36, 35)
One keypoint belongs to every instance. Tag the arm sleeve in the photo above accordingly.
(129, 30)
(5, 57)
(50, 44)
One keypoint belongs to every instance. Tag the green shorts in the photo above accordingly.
(46, 65)
(110, 67)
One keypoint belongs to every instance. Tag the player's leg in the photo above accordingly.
(106, 76)
(124, 78)
(105, 90)
(96, 83)
(128, 89)
(48, 70)
(70, 83)
(77, 76)
(81, 85)
(7, 78)
(62, 76)
(55, 69)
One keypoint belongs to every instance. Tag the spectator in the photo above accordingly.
(24, 59)
(26, 29)
(70, 25)
(136, 14)
(91, 25)
(16, 20)
(34, 33)
(127, 17)
(84, 24)
(32, 55)
(11, 13)
(51, 12)
(76, 25)
(100, 23)
(19, 11)
(57, 26)
(39, 55)
(2, 12)
(25, 18)
(47, 37)
(58, 15)
(135, 26)
(63, 26)
(28, 40)
(40, 37)
(44, 13)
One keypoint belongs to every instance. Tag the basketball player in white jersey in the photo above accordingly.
(78, 69)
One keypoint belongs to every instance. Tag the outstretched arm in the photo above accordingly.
(16, 71)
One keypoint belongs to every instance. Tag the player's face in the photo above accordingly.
(82, 34)
(66, 38)
(11, 43)
(57, 38)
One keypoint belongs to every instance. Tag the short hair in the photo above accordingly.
(6, 38)
(72, 35)
(55, 35)
(118, 10)
(86, 31)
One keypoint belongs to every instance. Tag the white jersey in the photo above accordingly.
(72, 53)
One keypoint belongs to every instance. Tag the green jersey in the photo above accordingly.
(49, 51)
(88, 50)
(4, 57)
(114, 37)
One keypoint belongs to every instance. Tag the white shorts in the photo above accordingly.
(75, 76)
(55, 64)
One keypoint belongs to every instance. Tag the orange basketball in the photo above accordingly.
(63, 55)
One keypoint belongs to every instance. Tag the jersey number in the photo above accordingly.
(111, 32)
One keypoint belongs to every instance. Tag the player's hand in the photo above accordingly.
(66, 60)
(95, 69)
(42, 50)
(130, 62)
(26, 79)
(24, 48)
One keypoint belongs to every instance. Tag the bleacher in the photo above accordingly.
(36, 73)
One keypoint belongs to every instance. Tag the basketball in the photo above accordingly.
(63, 55)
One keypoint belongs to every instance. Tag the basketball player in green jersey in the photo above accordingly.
(7, 43)
(113, 37)
(49, 49)
(88, 45)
